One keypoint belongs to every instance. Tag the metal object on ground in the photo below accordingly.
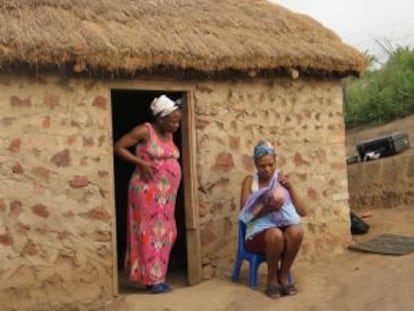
(384, 146)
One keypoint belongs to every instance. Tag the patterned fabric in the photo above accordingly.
(263, 148)
(152, 230)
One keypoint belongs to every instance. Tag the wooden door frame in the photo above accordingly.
(190, 179)
(190, 175)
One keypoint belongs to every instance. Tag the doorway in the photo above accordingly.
(129, 109)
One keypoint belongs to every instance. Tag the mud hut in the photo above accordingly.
(77, 74)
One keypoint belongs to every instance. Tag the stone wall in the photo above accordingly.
(304, 121)
(384, 183)
(55, 221)
(56, 192)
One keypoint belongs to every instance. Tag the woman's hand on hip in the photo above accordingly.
(147, 170)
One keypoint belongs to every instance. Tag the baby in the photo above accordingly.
(272, 197)
(273, 201)
(276, 198)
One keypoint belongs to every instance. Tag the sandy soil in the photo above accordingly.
(352, 281)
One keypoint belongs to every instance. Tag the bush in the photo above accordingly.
(382, 95)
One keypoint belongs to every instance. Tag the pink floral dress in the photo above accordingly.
(152, 230)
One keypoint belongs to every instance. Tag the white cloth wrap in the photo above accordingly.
(163, 106)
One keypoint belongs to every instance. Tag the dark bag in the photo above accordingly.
(358, 226)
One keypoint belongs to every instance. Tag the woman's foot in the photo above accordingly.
(288, 290)
(159, 288)
(273, 292)
(166, 286)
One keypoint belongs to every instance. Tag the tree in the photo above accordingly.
(384, 94)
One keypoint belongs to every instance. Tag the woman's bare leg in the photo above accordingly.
(274, 247)
(293, 236)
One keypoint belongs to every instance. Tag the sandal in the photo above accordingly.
(288, 290)
(160, 288)
(166, 286)
(273, 292)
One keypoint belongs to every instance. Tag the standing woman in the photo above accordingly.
(152, 192)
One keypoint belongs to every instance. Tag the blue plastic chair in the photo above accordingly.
(242, 254)
(254, 259)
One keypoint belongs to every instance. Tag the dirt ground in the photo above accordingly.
(352, 281)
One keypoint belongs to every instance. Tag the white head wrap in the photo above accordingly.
(162, 106)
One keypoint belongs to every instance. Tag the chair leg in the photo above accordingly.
(236, 271)
(254, 267)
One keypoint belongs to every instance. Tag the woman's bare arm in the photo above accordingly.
(296, 199)
(136, 135)
(246, 190)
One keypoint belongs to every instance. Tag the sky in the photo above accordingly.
(361, 23)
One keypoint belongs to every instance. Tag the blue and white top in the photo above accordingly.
(286, 216)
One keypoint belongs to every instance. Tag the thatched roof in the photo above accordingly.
(202, 35)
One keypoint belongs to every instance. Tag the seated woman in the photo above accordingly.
(272, 210)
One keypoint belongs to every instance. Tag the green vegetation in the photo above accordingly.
(384, 94)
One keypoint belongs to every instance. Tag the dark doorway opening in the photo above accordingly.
(129, 109)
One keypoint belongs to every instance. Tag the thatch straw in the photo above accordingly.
(205, 35)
